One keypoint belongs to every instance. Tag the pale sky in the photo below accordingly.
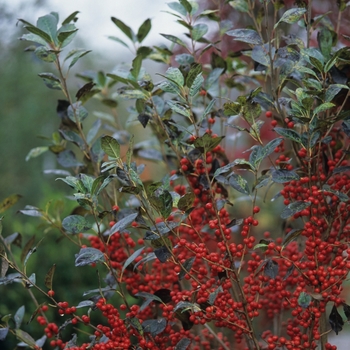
(94, 19)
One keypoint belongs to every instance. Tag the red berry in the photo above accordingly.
(274, 123)
(51, 293)
(268, 114)
(115, 207)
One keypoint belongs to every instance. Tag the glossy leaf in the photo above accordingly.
(239, 183)
(271, 268)
(335, 320)
(283, 175)
(75, 224)
(289, 134)
(187, 265)
(186, 201)
(154, 327)
(51, 81)
(87, 256)
(124, 223)
(291, 16)
(291, 236)
(131, 258)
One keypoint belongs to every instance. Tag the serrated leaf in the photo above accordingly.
(110, 146)
(75, 224)
(49, 277)
(291, 16)
(335, 320)
(144, 30)
(9, 202)
(87, 256)
(294, 208)
(249, 36)
(131, 258)
(124, 28)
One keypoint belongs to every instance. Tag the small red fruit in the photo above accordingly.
(268, 114)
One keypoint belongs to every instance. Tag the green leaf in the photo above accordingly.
(333, 91)
(178, 8)
(25, 338)
(270, 147)
(183, 344)
(178, 108)
(124, 28)
(154, 327)
(70, 18)
(317, 64)
(291, 16)
(114, 38)
(173, 39)
(239, 183)
(66, 34)
(18, 317)
(323, 107)
(294, 208)
(110, 146)
(240, 5)
(51, 81)
(249, 36)
(186, 5)
(33, 37)
(304, 300)
(144, 30)
(186, 201)
(197, 83)
(87, 256)
(283, 175)
(213, 77)
(48, 24)
(131, 258)
(325, 42)
(289, 134)
(33, 29)
(206, 142)
(76, 55)
(77, 112)
(175, 76)
(49, 277)
(75, 224)
(124, 223)
(195, 70)
(260, 54)
(136, 66)
(35, 152)
(198, 31)
(9, 202)
(291, 236)
(187, 265)
(342, 196)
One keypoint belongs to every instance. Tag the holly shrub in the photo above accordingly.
(241, 240)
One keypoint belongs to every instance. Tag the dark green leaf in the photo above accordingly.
(271, 268)
(131, 258)
(325, 42)
(270, 147)
(154, 327)
(183, 344)
(124, 28)
(162, 254)
(77, 112)
(187, 265)
(48, 24)
(342, 196)
(206, 142)
(335, 320)
(289, 134)
(70, 18)
(136, 66)
(333, 90)
(249, 36)
(122, 224)
(283, 175)
(75, 224)
(45, 54)
(93, 131)
(294, 208)
(173, 39)
(51, 81)
(110, 146)
(291, 236)
(195, 70)
(346, 309)
(76, 56)
(144, 30)
(323, 107)
(66, 34)
(87, 256)
(186, 5)
(186, 201)
(260, 54)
